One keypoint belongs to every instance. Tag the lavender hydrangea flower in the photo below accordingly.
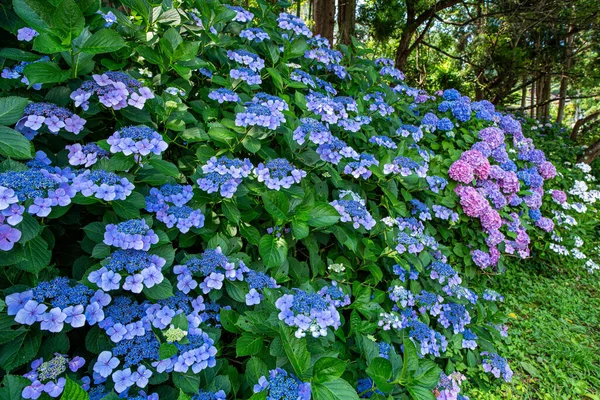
(281, 385)
(298, 75)
(279, 173)
(137, 140)
(336, 149)
(221, 95)
(26, 34)
(254, 35)
(183, 217)
(316, 131)
(214, 266)
(354, 211)
(224, 175)
(103, 185)
(56, 303)
(139, 268)
(247, 75)
(257, 282)
(131, 234)
(360, 168)
(259, 115)
(52, 116)
(383, 141)
(246, 58)
(497, 365)
(290, 22)
(241, 14)
(406, 166)
(86, 155)
(308, 313)
(115, 90)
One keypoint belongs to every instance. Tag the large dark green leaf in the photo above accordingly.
(11, 110)
(13, 144)
(45, 72)
(338, 389)
(103, 41)
(273, 250)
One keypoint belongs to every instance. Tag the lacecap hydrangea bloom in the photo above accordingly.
(224, 175)
(138, 140)
(132, 234)
(353, 210)
(278, 173)
(50, 116)
(49, 376)
(114, 89)
(282, 385)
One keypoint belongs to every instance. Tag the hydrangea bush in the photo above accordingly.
(202, 201)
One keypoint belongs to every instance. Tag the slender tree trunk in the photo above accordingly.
(524, 93)
(581, 122)
(532, 100)
(547, 93)
(564, 81)
(346, 20)
(590, 153)
(402, 52)
(324, 18)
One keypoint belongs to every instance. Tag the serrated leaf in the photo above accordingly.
(273, 250)
(328, 369)
(323, 215)
(338, 389)
(36, 256)
(73, 391)
(13, 144)
(20, 350)
(295, 350)
(248, 345)
(103, 41)
(11, 109)
(160, 291)
(45, 72)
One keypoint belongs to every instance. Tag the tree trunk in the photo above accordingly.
(564, 81)
(547, 93)
(581, 122)
(324, 18)
(532, 100)
(403, 50)
(524, 94)
(346, 20)
(590, 153)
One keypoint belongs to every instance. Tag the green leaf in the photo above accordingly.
(48, 44)
(295, 349)
(248, 345)
(273, 250)
(164, 167)
(13, 144)
(167, 350)
(68, 20)
(188, 382)
(276, 204)
(101, 250)
(300, 229)
(12, 386)
(255, 368)
(328, 369)
(6, 332)
(250, 233)
(36, 13)
(339, 389)
(420, 393)
(73, 391)
(20, 350)
(230, 211)
(36, 256)
(380, 370)
(103, 41)
(322, 215)
(18, 55)
(45, 72)
(11, 110)
(160, 291)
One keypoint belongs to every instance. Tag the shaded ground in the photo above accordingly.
(554, 346)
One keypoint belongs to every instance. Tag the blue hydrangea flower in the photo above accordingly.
(86, 155)
(245, 74)
(354, 211)
(254, 35)
(406, 166)
(214, 266)
(336, 149)
(290, 22)
(308, 312)
(360, 168)
(455, 316)
(224, 175)
(139, 268)
(241, 14)
(282, 386)
(257, 282)
(259, 115)
(420, 209)
(497, 365)
(114, 89)
(436, 183)
(316, 131)
(298, 75)
(131, 234)
(278, 173)
(138, 140)
(378, 104)
(222, 95)
(441, 272)
(383, 141)
(51, 116)
(469, 340)
(444, 213)
(203, 395)
(103, 185)
(56, 303)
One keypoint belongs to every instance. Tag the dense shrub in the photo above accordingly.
(210, 203)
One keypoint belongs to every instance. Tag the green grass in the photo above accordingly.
(554, 345)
